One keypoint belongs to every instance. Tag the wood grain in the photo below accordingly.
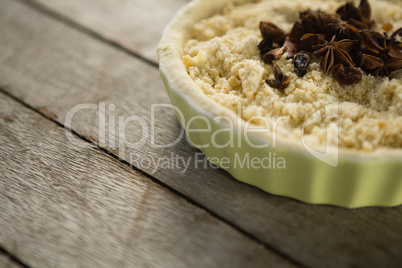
(69, 206)
(7, 262)
(62, 68)
(136, 25)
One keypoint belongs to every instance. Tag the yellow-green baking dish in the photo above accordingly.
(341, 177)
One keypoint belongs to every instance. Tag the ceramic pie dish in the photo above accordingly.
(341, 176)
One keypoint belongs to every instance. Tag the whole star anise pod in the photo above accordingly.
(343, 30)
(359, 17)
(377, 66)
(381, 55)
(374, 65)
(377, 44)
(281, 81)
(316, 21)
(334, 52)
(341, 39)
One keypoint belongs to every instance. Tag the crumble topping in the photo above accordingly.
(224, 60)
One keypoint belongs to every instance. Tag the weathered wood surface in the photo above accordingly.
(63, 67)
(7, 262)
(68, 206)
(135, 24)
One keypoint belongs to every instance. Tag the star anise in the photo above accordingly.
(374, 65)
(396, 33)
(309, 40)
(334, 52)
(291, 45)
(371, 42)
(347, 75)
(265, 46)
(281, 81)
(271, 34)
(292, 42)
(376, 44)
(359, 17)
(341, 39)
(365, 9)
(394, 64)
(316, 21)
(343, 30)
(274, 54)
(392, 49)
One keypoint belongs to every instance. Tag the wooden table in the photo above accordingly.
(70, 197)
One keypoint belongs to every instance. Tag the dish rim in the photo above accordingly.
(171, 65)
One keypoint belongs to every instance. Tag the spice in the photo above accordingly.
(396, 33)
(358, 17)
(334, 52)
(347, 75)
(272, 33)
(376, 66)
(343, 30)
(281, 81)
(316, 21)
(343, 39)
(381, 55)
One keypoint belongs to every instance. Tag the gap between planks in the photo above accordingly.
(57, 138)
(80, 28)
(162, 184)
(9, 260)
(360, 219)
(69, 22)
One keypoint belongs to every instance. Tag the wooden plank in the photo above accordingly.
(65, 206)
(7, 262)
(136, 25)
(62, 68)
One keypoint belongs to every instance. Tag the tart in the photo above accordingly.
(325, 132)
